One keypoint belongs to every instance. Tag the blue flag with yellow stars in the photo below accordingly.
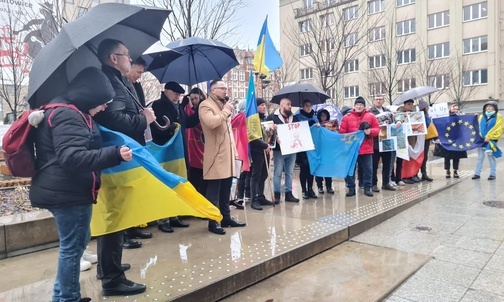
(458, 133)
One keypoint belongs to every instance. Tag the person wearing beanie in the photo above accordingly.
(345, 110)
(491, 127)
(424, 106)
(355, 121)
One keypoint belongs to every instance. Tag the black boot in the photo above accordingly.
(263, 201)
(214, 227)
(330, 190)
(312, 194)
(305, 195)
(277, 198)
(289, 197)
(351, 192)
(255, 204)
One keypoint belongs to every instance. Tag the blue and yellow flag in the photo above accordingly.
(254, 130)
(335, 154)
(266, 58)
(458, 133)
(142, 190)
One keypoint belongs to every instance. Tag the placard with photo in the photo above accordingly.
(269, 128)
(388, 145)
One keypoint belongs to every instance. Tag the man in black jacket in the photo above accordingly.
(126, 115)
(259, 151)
(169, 105)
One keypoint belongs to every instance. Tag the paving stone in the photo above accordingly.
(481, 296)
(473, 244)
(461, 256)
(496, 263)
(428, 290)
(491, 281)
(448, 272)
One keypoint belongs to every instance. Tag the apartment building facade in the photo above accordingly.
(385, 47)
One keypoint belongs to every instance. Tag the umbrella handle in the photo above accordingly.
(165, 127)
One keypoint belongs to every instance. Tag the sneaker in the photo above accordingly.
(491, 177)
(247, 199)
(393, 184)
(330, 190)
(475, 177)
(88, 256)
(408, 181)
(401, 183)
(240, 201)
(375, 189)
(321, 190)
(388, 187)
(84, 265)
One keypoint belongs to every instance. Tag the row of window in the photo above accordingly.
(377, 5)
(435, 20)
(471, 78)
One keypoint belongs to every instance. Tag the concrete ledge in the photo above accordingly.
(3, 250)
(233, 283)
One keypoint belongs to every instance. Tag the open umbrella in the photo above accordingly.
(299, 92)
(158, 56)
(74, 48)
(415, 93)
(201, 60)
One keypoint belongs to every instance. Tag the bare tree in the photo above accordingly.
(388, 62)
(461, 87)
(326, 42)
(211, 19)
(151, 87)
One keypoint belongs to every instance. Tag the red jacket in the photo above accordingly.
(351, 123)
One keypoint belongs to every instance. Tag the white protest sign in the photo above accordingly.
(295, 137)
(439, 110)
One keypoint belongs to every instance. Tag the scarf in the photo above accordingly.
(486, 125)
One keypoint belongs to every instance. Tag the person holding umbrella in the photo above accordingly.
(126, 115)
(69, 160)
(220, 153)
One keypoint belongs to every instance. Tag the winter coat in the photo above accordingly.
(69, 147)
(278, 119)
(310, 117)
(259, 145)
(220, 150)
(351, 123)
(195, 145)
(123, 114)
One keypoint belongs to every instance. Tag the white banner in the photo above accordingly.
(295, 137)
(439, 110)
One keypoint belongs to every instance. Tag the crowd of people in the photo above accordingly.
(70, 157)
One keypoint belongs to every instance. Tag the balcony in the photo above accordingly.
(319, 6)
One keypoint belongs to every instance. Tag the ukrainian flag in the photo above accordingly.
(266, 58)
(141, 190)
(254, 130)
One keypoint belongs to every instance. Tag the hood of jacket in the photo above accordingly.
(89, 89)
(493, 103)
(323, 111)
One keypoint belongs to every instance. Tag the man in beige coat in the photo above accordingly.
(220, 152)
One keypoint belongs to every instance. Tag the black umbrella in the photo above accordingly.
(74, 48)
(299, 92)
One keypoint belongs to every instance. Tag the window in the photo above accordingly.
(406, 56)
(327, 45)
(242, 75)
(404, 2)
(331, 93)
(350, 13)
(475, 11)
(475, 77)
(440, 81)
(234, 76)
(351, 40)
(81, 11)
(235, 93)
(377, 34)
(351, 92)
(308, 3)
(439, 19)
(476, 44)
(406, 27)
(376, 61)
(376, 6)
(326, 20)
(304, 26)
(306, 74)
(377, 89)
(241, 93)
(441, 50)
(405, 85)
(306, 49)
(352, 66)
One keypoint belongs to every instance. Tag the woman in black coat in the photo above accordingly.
(69, 158)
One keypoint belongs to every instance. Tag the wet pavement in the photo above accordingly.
(192, 259)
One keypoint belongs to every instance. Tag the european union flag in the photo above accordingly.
(458, 133)
(335, 154)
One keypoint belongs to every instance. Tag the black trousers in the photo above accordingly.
(218, 192)
(328, 182)
(426, 156)
(243, 185)
(109, 259)
(398, 169)
(305, 177)
(456, 162)
(385, 157)
(195, 177)
(258, 173)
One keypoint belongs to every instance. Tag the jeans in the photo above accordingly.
(481, 158)
(283, 164)
(218, 193)
(74, 234)
(364, 161)
(385, 156)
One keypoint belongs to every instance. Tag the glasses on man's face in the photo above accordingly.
(222, 88)
(123, 54)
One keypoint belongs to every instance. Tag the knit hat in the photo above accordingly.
(260, 101)
(360, 100)
(422, 104)
(408, 101)
(345, 109)
(175, 87)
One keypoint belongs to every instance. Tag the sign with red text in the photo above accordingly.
(295, 137)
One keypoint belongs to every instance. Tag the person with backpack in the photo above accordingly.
(68, 162)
